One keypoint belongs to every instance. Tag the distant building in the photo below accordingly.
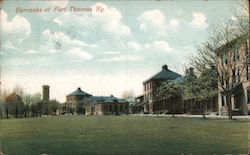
(151, 103)
(46, 93)
(138, 107)
(75, 101)
(191, 106)
(106, 105)
(80, 102)
(234, 57)
(180, 103)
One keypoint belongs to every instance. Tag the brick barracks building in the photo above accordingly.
(80, 102)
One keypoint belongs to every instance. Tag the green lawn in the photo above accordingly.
(73, 135)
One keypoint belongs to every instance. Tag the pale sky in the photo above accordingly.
(104, 52)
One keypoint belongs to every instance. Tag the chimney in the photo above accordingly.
(164, 67)
(79, 88)
(111, 95)
(191, 71)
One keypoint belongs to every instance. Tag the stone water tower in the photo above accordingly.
(46, 93)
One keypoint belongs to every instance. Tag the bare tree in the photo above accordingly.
(129, 95)
(228, 50)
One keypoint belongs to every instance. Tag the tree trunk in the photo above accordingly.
(16, 113)
(229, 105)
(204, 110)
(7, 113)
(173, 109)
(33, 113)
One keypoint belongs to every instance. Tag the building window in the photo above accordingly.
(222, 80)
(236, 55)
(238, 75)
(104, 107)
(233, 76)
(247, 48)
(110, 108)
(222, 100)
(248, 96)
(248, 72)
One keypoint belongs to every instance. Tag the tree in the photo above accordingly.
(14, 105)
(169, 91)
(27, 100)
(129, 96)
(201, 88)
(54, 105)
(35, 100)
(226, 37)
(1, 108)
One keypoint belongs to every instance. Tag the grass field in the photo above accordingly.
(74, 135)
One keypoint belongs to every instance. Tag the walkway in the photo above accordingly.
(193, 116)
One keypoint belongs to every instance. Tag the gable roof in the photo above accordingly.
(164, 74)
(79, 92)
(232, 43)
(105, 99)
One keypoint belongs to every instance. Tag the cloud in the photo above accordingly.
(18, 26)
(8, 45)
(79, 53)
(174, 23)
(134, 45)
(121, 58)
(154, 24)
(153, 19)
(58, 41)
(32, 52)
(199, 20)
(111, 53)
(57, 21)
(233, 18)
(52, 42)
(109, 21)
(161, 46)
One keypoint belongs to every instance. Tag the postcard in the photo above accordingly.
(124, 77)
